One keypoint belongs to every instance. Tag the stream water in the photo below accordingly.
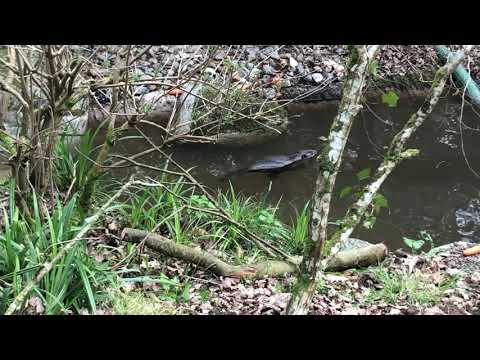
(435, 192)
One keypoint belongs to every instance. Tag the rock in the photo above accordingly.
(267, 69)
(292, 62)
(142, 90)
(434, 311)
(252, 53)
(475, 278)
(395, 312)
(271, 52)
(270, 93)
(210, 71)
(300, 69)
(286, 82)
(317, 78)
(453, 272)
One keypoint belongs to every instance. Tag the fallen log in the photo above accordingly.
(343, 260)
(359, 257)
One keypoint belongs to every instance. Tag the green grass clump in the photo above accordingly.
(413, 288)
(140, 303)
(73, 162)
(74, 283)
(177, 212)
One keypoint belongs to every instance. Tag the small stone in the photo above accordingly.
(270, 93)
(293, 63)
(300, 69)
(475, 278)
(434, 311)
(317, 78)
(210, 71)
(267, 69)
(286, 83)
(113, 226)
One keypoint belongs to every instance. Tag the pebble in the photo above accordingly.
(293, 63)
(270, 93)
(301, 69)
(267, 69)
(317, 78)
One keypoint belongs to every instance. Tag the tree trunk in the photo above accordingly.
(330, 161)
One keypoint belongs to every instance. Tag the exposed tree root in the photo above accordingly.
(343, 260)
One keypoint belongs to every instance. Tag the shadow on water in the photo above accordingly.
(435, 192)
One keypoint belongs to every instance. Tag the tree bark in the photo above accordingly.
(330, 161)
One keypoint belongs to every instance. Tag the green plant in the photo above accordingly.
(322, 287)
(204, 294)
(72, 169)
(256, 216)
(414, 288)
(378, 202)
(175, 211)
(73, 283)
(139, 303)
(299, 233)
(390, 98)
(417, 244)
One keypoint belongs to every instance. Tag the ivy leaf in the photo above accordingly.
(369, 222)
(69, 103)
(373, 68)
(347, 190)
(364, 174)
(413, 244)
(390, 98)
(380, 202)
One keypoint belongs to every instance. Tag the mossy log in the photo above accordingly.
(343, 260)
(359, 257)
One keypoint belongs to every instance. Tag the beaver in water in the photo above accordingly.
(274, 165)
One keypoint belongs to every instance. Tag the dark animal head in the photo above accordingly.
(307, 154)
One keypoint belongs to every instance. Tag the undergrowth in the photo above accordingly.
(179, 213)
(413, 288)
(74, 282)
